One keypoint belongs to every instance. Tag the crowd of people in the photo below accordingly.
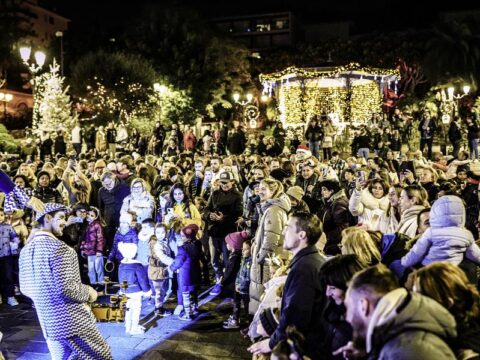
(325, 256)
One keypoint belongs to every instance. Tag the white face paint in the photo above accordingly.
(56, 222)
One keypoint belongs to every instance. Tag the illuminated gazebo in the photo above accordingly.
(348, 93)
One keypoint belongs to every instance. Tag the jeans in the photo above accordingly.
(327, 153)
(150, 282)
(456, 148)
(473, 147)
(160, 292)
(219, 247)
(364, 152)
(239, 299)
(314, 147)
(77, 147)
(429, 143)
(95, 269)
(7, 277)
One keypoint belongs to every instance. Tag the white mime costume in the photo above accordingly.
(50, 276)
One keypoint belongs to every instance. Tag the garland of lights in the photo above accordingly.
(349, 92)
(314, 73)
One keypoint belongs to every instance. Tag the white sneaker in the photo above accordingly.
(12, 301)
(137, 330)
(178, 310)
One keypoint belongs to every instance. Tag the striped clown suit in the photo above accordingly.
(49, 275)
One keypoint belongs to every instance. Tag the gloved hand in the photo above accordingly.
(36, 204)
(92, 294)
(13, 246)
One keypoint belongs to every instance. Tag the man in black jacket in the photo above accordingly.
(303, 296)
(223, 209)
(455, 135)
(110, 200)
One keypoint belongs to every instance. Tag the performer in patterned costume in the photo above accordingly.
(49, 275)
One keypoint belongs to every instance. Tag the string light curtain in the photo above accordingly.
(351, 92)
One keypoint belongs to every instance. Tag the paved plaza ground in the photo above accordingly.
(166, 338)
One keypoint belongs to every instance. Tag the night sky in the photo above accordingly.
(368, 15)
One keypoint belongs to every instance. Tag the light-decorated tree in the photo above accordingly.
(168, 106)
(54, 104)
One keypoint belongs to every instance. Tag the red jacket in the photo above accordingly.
(94, 241)
(189, 141)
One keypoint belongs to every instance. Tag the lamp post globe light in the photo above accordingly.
(249, 110)
(34, 68)
(449, 107)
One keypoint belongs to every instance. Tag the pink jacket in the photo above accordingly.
(94, 241)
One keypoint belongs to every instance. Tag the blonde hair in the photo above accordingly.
(432, 171)
(146, 186)
(447, 284)
(275, 186)
(359, 242)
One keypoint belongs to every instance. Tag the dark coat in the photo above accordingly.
(432, 128)
(135, 276)
(229, 203)
(94, 241)
(111, 136)
(236, 143)
(339, 331)
(110, 202)
(130, 237)
(194, 187)
(48, 194)
(432, 190)
(303, 300)
(314, 133)
(335, 217)
(454, 133)
(187, 262)
(242, 282)
(74, 234)
(231, 270)
(468, 336)
(60, 147)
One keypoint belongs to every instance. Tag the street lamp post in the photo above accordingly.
(59, 34)
(249, 110)
(5, 98)
(34, 68)
(456, 97)
(449, 107)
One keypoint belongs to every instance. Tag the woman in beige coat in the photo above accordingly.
(274, 206)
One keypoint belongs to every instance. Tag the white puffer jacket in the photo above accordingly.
(446, 239)
(371, 211)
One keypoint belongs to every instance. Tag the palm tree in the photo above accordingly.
(453, 53)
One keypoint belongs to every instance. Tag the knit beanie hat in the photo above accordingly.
(235, 240)
(296, 192)
(190, 231)
(269, 321)
(43, 172)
